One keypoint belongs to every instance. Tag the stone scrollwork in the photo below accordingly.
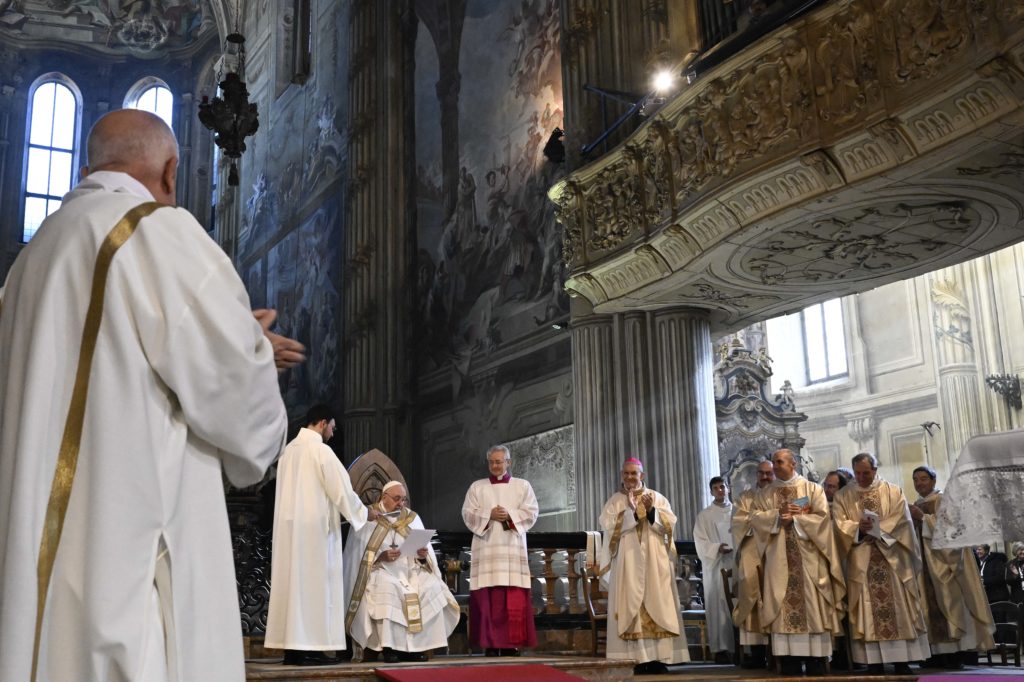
(613, 204)
(741, 116)
(567, 213)
(864, 240)
(846, 55)
(923, 36)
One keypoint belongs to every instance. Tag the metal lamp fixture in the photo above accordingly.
(232, 117)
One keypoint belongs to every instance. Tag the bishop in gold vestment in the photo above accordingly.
(883, 564)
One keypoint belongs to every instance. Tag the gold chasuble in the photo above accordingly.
(748, 568)
(887, 613)
(802, 595)
(958, 614)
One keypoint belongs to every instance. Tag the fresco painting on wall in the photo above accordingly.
(303, 283)
(489, 269)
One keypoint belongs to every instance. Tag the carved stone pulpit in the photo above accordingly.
(752, 424)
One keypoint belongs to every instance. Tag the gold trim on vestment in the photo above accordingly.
(384, 526)
(67, 459)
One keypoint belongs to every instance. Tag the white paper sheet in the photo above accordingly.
(876, 529)
(417, 539)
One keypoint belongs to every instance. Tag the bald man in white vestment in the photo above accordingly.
(132, 375)
(712, 536)
(399, 606)
(644, 619)
(306, 616)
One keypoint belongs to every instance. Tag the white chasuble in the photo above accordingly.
(644, 618)
(307, 587)
(404, 604)
(499, 555)
(712, 530)
(181, 389)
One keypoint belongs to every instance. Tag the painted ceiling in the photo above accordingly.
(141, 28)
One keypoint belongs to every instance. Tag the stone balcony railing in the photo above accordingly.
(711, 202)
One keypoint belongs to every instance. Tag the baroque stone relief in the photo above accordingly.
(859, 241)
(548, 461)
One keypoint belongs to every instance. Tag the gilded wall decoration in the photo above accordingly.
(615, 206)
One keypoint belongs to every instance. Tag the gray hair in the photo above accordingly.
(865, 456)
(500, 448)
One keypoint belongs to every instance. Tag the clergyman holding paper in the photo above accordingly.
(400, 605)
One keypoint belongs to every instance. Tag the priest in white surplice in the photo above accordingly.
(307, 590)
(883, 564)
(803, 590)
(712, 535)
(132, 373)
(399, 607)
(644, 620)
(500, 510)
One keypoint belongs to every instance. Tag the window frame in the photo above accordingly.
(829, 376)
(144, 85)
(61, 80)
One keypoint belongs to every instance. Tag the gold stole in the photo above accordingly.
(71, 441)
(384, 526)
(643, 627)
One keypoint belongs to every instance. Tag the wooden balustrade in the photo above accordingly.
(547, 553)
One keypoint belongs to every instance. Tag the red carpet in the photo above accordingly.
(979, 677)
(476, 673)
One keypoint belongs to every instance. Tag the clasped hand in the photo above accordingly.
(789, 512)
(646, 498)
(499, 513)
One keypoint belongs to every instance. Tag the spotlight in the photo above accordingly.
(664, 81)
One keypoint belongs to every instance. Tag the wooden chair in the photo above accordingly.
(1009, 619)
(597, 609)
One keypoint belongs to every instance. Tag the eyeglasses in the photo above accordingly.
(398, 498)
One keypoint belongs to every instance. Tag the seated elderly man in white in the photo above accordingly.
(400, 607)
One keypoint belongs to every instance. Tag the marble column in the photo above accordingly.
(959, 380)
(380, 232)
(643, 387)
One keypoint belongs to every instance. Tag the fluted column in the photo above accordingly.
(643, 387)
(598, 451)
(379, 246)
(685, 455)
(959, 380)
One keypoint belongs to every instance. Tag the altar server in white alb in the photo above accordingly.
(132, 374)
(639, 556)
(307, 588)
(500, 510)
(399, 606)
(712, 535)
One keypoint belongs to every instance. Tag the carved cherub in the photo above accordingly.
(787, 395)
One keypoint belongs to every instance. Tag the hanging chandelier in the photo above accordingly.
(232, 117)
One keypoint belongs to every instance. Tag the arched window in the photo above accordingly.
(54, 118)
(152, 95)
